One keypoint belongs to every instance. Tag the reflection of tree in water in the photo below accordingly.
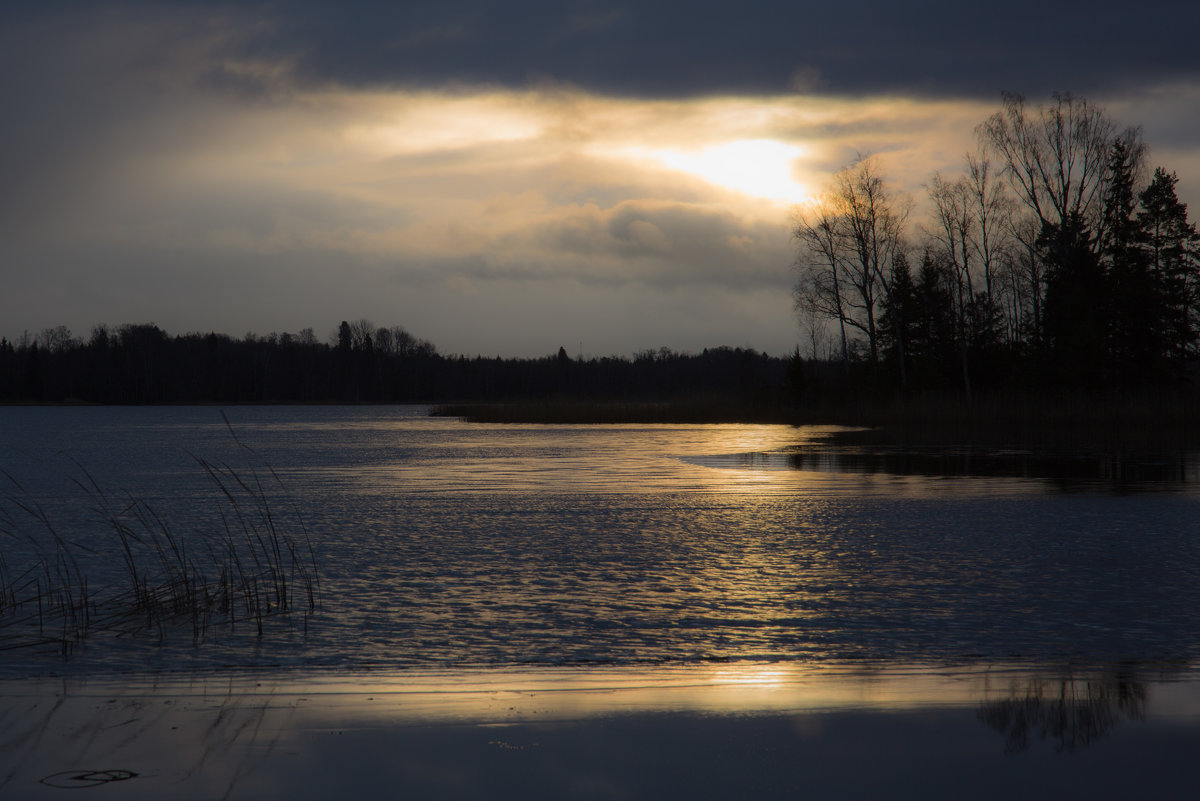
(1072, 713)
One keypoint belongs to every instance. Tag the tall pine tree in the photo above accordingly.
(1169, 246)
(1134, 303)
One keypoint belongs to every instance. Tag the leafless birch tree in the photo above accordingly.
(848, 240)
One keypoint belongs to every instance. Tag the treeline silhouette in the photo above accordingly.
(361, 363)
(1056, 261)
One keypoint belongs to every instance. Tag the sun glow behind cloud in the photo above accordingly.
(762, 168)
(701, 143)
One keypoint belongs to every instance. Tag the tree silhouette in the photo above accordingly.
(1169, 245)
(1061, 269)
(848, 242)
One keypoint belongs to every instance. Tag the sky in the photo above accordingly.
(507, 178)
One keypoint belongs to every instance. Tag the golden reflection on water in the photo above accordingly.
(495, 695)
(445, 455)
(268, 736)
(568, 693)
(371, 735)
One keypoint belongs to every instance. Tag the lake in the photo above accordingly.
(444, 548)
(442, 543)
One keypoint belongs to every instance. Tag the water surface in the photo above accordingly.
(447, 544)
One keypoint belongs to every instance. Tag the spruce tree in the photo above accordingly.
(1169, 246)
(1074, 320)
(898, 321)
(1134, 301)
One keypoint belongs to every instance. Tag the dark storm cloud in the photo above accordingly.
(84, 81)
(649, 48)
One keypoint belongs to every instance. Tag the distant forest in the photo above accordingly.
(360, 363)
(1056, 260)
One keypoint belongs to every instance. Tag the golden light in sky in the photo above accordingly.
(425, 123)
(732, 145)
(762, 168)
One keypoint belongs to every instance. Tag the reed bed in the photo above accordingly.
(258, 564)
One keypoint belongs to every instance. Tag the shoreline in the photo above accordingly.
(1130, 420)
(1016, 420)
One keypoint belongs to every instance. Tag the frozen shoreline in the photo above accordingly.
(761, 731)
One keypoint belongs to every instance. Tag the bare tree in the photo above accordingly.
(972, 235)
(57, 339)
(1072, 169)
(875, 217)
(954, 228)
(408, 345)
(992, 207)
(848, 242)
(812, 320)
(384, 341)
(1056, 155)
(818, 292)
(1028, 272)
(362, 335)
(954, 232)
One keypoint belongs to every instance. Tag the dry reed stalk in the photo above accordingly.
(251, 573)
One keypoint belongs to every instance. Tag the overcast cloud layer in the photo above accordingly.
(657, 48)
(504, 178)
